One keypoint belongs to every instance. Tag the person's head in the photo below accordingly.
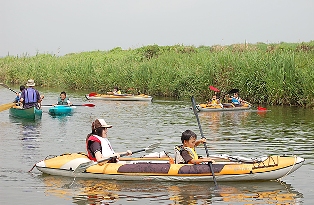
(236, 94)
(115, 88)
(63, 95)
(22, 87)
(30, 83)
(214, 97)
(99, 127)
(188, 138)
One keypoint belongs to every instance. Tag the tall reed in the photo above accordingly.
(264, 73)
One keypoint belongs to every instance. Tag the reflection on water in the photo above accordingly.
(29, 135)
(88, 191)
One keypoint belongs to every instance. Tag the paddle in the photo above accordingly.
(82, 167)
(214, 89)
(6, 106)
(86, 105)
(201, 131)
(4, 85)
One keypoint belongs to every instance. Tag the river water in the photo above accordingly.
(280, 130)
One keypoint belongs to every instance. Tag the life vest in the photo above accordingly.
(63, 102)
(30, 96)
(235, 101)
(214, 102)
(106, 149)
(178, 159)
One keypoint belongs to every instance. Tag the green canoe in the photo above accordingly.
(30, 113)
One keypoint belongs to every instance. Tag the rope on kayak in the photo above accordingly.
(295, 161)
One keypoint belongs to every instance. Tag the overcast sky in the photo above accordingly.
(66, 26)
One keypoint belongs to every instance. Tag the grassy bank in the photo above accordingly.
(265, 73)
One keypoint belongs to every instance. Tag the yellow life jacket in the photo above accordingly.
(178, 159)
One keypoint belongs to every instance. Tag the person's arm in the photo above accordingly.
(95, 147)
(69, 102)
(203, 140)
(186, 157)
(128, 152)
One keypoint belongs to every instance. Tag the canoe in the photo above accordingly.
(226, 107)
(122, 97)
(30, 113)
(61, 110)
(226, 168)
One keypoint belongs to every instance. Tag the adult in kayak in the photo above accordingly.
(63, 99)
(97, 144)
(186, 154)
(30, 97)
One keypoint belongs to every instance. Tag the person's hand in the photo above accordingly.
(208, 159)
(129, 152)
(203, 140)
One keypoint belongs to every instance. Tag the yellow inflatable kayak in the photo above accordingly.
(222, 107)
(226, 168)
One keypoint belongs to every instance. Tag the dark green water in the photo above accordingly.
(281, 130)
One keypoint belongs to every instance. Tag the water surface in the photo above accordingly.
(281, 130)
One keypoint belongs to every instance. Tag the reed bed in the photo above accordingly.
(277, 74)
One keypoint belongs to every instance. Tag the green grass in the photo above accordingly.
(278, 74)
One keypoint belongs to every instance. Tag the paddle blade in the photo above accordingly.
(213, 88)
(92, 94)
(261, 108)
(89, 105)
(82, 167)
(6, 106)
(151, 147)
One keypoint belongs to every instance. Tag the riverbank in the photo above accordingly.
(277, 74)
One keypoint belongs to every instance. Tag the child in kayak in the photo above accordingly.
(185, 154)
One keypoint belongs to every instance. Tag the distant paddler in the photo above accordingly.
(63, 99)
(30, 97)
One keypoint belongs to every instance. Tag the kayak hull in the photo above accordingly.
(30, 113)
(160, 169)
(229, 107)
(61, 110)
(120, 97)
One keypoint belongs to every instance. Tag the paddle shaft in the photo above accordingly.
(121, 155)
(202, 135)
(82, 167)
(86, 105)
(4, 85)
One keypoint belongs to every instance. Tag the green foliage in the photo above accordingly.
(264, 73)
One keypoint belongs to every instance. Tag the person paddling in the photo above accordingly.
(97, 144)
(63, 99)
(30, 97)
(18, 95)
(185, 154)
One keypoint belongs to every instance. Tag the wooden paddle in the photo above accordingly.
(6, 106)
(201, 131)
(86, 105)
(82, 167)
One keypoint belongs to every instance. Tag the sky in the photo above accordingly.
(60, 27)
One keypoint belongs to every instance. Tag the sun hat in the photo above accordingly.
(30, 82)
(100, 123)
